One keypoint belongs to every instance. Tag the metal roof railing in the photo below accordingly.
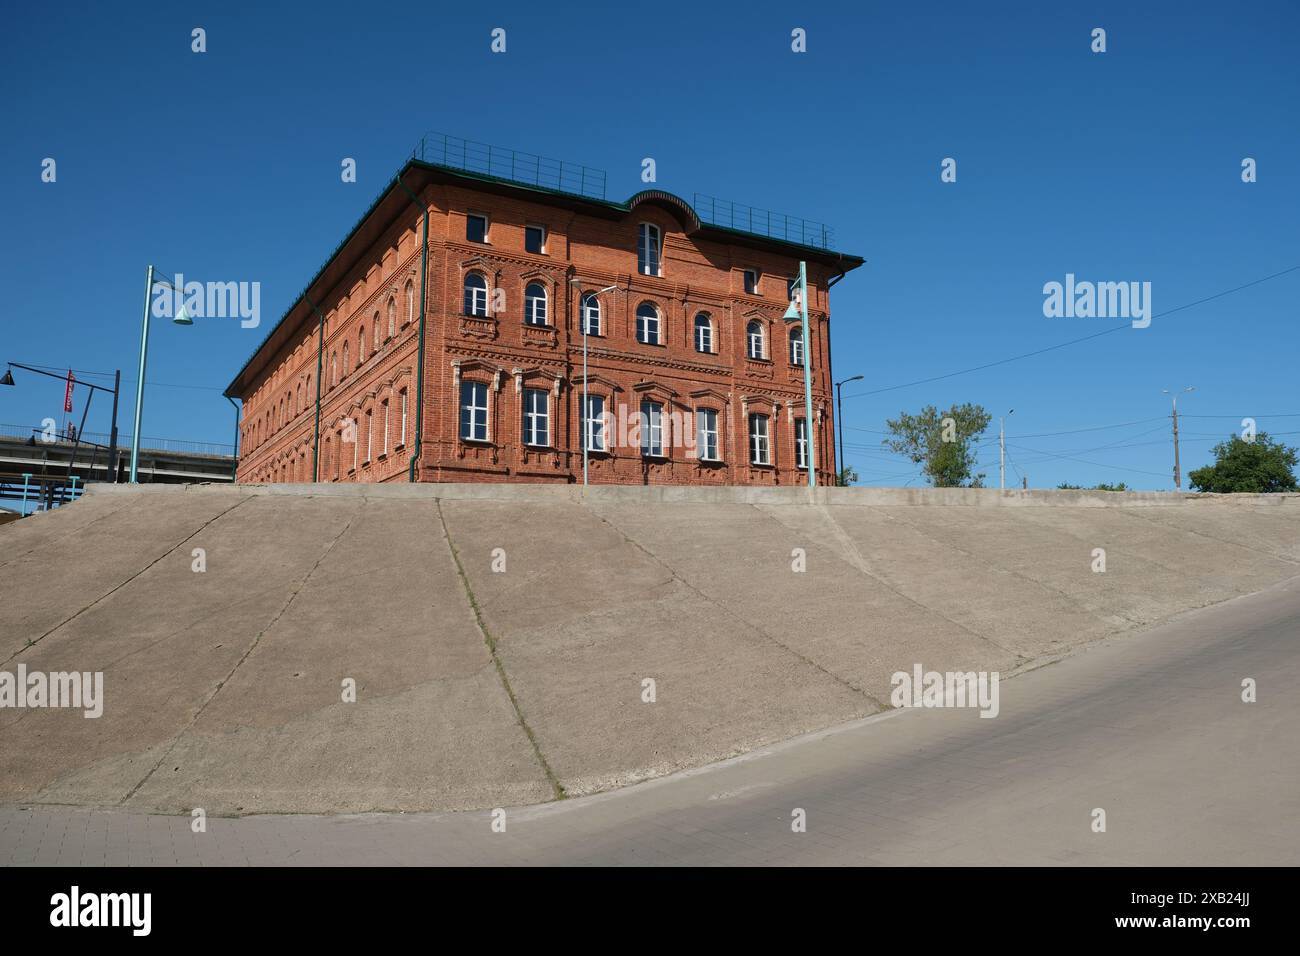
(500, 162)
(762, 222)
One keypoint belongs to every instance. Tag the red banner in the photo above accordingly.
(67, 395)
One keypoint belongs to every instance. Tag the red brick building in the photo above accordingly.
(692, 376)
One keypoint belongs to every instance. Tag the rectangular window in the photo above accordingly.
(535, 239)
(801, 443)
(593, 423)
(759, 451)
(796, 346)
(476, 228)
(707, 422)
(751, 281)
(404, 417)
(652, 429)
(370, 435)
(385, 443)
(473, 411)
(648, 249)
(537, 418)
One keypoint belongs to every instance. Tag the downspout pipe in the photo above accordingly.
(419, 375)
(320, 359)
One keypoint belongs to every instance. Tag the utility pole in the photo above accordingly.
(1002, 450)
(1178, 474)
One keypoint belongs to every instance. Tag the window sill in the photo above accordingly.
(400, 446)
(760, 464)
(382, 457)
(481, 442)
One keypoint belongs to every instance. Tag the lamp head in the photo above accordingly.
(8, 378)
(183, 317)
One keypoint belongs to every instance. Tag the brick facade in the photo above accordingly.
(369, 296)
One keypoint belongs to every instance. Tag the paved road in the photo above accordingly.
(1151, 728)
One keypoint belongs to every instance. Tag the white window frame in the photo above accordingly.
(760, 440)
(796, 346)
(410, 301)
(590, 308)
(645, 232)
(474, 408)
(706, 420)
(384, 449)
(405, 398)
(474, 303)
(755, 340)
(370, 436)
(652, 428)
(534, 306)
(653, 317)
(593, 426)
(707, 329)
(745, 280)
(801, 443)
(537, 421)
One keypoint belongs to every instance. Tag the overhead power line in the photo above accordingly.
(1085, 338)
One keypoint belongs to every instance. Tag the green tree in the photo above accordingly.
(943, 443)
(1103, 486)
(848, 475)
(1262, 465)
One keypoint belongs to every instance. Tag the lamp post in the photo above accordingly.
(8, 379)
(839, 419)
(798, 311)
(181, 318)
(1178, 474)
(1002, 450)
(576, 283)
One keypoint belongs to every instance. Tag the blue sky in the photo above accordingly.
(1121, 166)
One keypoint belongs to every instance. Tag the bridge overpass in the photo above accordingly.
(45, 468)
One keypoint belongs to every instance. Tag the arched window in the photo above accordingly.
(648, 248)
(298, 401)
(361, 344)
(392, 317)
(591, 313)
(703, 333)
(647, 324)
(476, 294)
(410, 301)
(376, 327)
(334, 369)
(796, 345)
(535, 304)
(345, 359)
(754, 346)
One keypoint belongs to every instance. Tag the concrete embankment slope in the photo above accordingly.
(500, 637)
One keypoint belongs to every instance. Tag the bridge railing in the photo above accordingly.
(218, 449)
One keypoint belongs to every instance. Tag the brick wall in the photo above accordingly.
(508, 356)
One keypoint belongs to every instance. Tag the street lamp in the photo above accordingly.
(798, 311)
(1178, 474)
(8, 379)
(586, 410)
(839, 417)
(1002, 450)
(181, 318)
